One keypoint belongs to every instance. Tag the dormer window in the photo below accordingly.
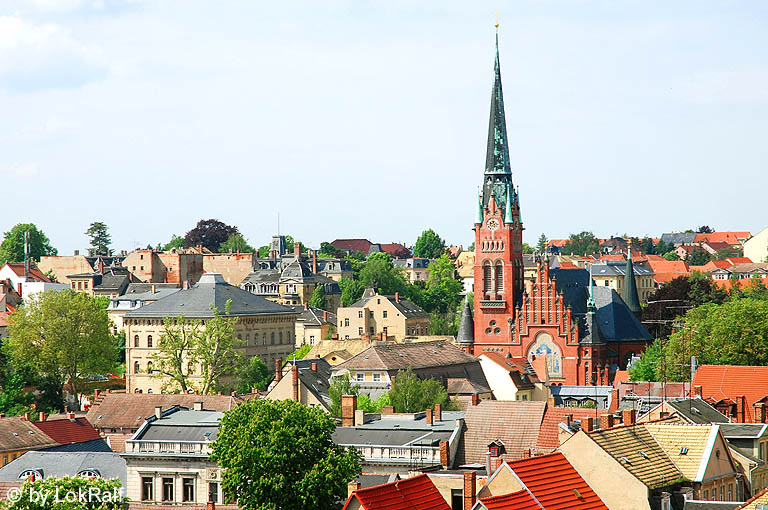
(35, 474)
(496, 448)
(89, 473)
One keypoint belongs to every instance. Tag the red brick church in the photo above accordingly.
(579, 334)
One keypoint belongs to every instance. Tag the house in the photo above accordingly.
(551, 432)
(109, 281)
(664, 271)
(174, 266)
(732, 239)
(306, 381)
(756, 247)
(117, 416)
(42, 465)
(512, 378)
(338, 351)
(542, 482)
(738, 392)
(334, 268)
(351, 246)
(167, 459)
(749, 446)
(688, 410)
(375, 368)
(611, 274)
(758, 502)
(601, 397)
(313, 324)
(414, 493)
(233, 267)
(374, 314)
(416, 269)
(266, 329)
(60, 266)
(29, 282)
(397, 443)
(137, 295)
(644, 395)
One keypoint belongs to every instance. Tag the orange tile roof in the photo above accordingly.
(722, 237)
(557, 242)
(612, 256)
(620, 377)
(742, 284)
(68, 431)
(568, 265)
(416, 493)
(730, 381)
(553, 416)
(654, 257)
(739, 260)
(34, 273)
(521, 500)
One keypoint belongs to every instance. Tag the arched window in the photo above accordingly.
(499, 273)
(35, 474)
(272, 338)
(487, 277)
(149, 367)
(89, 473)
(264, 338)
(136, 340)
(149, 341)
(136, 367)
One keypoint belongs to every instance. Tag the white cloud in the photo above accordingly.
(20, 169)
(37, 57)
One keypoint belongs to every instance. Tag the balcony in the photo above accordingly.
(167, 448)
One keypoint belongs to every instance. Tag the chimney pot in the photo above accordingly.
(197, 406)
(359, 417)
(587, 425)
(295, 381)
(325, 316)
(210, 506)
(697, 391)
(43, 416)
(475, 399)
(470, 489)
(278, 370)
(348, 408)
(314, 367)
(628, 416)
(352, 487)
(158, 412)
(438, 412)
(71, 416)
(96, 393)
(429, 417)
(445, 455)
(26, 416)
(77, 252)
(397, 297)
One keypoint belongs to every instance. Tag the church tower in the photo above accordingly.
(498, 230)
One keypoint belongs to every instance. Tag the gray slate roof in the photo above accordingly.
(600, 394)
(466, 334)
(196, 301)
(697, 410)
(710, 505)
(181, 425)
(317, 382)
(408, 308)
(313, 316)
(59, 464)
(677, 238)
(743, 430)
(143, 291)
(617, 268)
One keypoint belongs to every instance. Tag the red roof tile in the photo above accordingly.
(521, 500)
(353, 245)
(730, 381)
(739, 260)
(568, 265)
(397, 250)
(416, 493)
(553, 416)
(34, 273)
(722, 237)
(68, 431)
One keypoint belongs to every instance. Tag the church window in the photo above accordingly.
(499, 277)
(487, 277)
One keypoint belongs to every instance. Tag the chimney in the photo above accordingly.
(96, 393)
(438, 412)
(606, 421)
(551, 402)
(740, 411)
(77, 252)
(628, 416)
(18, 289)
(366, 337)
(397, 297)
(295, 382)
(306, 306)
(470, 489)
(278, 370)
(429, 417)
(388, 410)
(760, 412)
(587, 425)
(297, 250)
(325, 316)
(186, 285)
(43, 416)
(314, 367)
(210, 506)
(614, 401)
(348, 408)
(383, 336)
(352, 487)
(158, 412)
(445, 457)
(197, 406)
(314, 261)
(359, 417)
(335, 336)
(26, 416)
(71, 416)
(697, 391)
(154, 290)
(567, 419)
(475, 399)
(2, 415)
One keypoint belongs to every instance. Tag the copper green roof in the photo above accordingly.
(497, 151)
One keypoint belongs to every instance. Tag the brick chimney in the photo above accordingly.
(96, 393)
(314, 261)
(587, 424)
(71, 416)
(614, 401)
(43, 416)
(306, 306)
(470, 489)
(740, 414)
(325, 316)
(297, 250)
(366, 337)
(697, 391)
(26, 416)
(352, 487)
(628, 416)
(278, 370)
(760, 412)
(210, 506)
(606, 421)
(348, 408)
(197, 406)
(438, 412)
(475, 399)
(429, 417)
(397, 297)
(445, 455)
(295, 382)
(77, 252)
(314, 367)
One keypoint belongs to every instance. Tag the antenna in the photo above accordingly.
(26, 255)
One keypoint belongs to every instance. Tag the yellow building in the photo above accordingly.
(611, 274)
(376, 314)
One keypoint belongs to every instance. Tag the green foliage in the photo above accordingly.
(698, 256)
(671, 255)
(218, 349)
(647, 246)
(443, 288)
(541, 245)
(724, 253)
(176, 354)
(365, 403)
(429, 245)
(662, 248)
(645, 369)
(64, 494)
(351, 290)
(410, 394)
(444, 324)
(100, 238)
(12, 247)
(527, 248)
(64, 335)
(589, 404)
(299, 353)
(677, 296)
(328, 250)
(253, 374)
(236, 243)
(103, 301)
(318, 298)
(582, 243)
(263, 251)
(705, 229)
(379, 273)
(339, 387)
(281, 455)
(176, 243)
(209, 234)
(14, 400)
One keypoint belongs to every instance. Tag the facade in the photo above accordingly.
(266, 329)
(28, 283)
(306, 381)
(375, 315)
(175, 266)
(756, 247)
(109, 281)
(612, 274)
(51, 464)
(313, 324)
(512, 378)
(137, 295)
(416, 269)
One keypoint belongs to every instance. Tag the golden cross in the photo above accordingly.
(496, 14)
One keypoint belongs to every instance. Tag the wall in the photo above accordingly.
(63, 266)
(283, 390)
(756, 249)
(234, 267)
(499, 380)
(397, 325)
(176, 468)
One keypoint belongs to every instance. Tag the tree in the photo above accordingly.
(429, 245)
(705, 229)
(328, 250)
(671, 255)
(254, 375)
(541, 246)
(236, 243)
(318, 298)
(176, 354)
(581, 243)
(217, 348)
(299, 353)
(527, 248)
(724, 253)
(281, 455)
(209, 234)
(661, 248)
(380, 273)
(645, 369)
(351, 290)
(339, 387)
(698, 256)
(442, 292)
(12, 247)
(64, 493)
(409, 394)
(64, 334)
(647, 246)
(176, 243)
(100, 238)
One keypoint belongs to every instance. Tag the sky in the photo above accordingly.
(369, 119)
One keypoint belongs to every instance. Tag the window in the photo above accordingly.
(370, 314)
(377, 377)
(487, 277)
(213, 492)
(149, 341)
(360, 314)
(264, 338)
(136, 340)
(89, 473)
(85, 285)
(311, 339)
(272, 338)
(188, 493)
(167, 489)
(730, 492)
(190, 368)
(34, 474)
(359, 377)
(147, 486)
(346, 322)
(457, 499)
(360, 331)
(281, 338)
(149, 367)
(499, 274)
(371, 330)
(722, 493)
(706, 495)
(136, 367)
(142, 268)
(79, 285)
(384, 314)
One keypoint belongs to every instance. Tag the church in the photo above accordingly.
(572, 331)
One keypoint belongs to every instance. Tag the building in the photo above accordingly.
(109, 281)
(612, 273)
(167, 459)
(266, 329)
(233, 267)
(679, 238)
(414, 493)
(512, 378)
(174, 266)
(60, 266)
(664, 271)
(749, 446)
(687, 410)
(738, 392)
(375, 314)
(42, 465)
(137, 295)
(416, 269)
(313, 324)
(756, 247)
(27, 282)
(306, 381)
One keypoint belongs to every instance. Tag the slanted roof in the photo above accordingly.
(720, 382)
(653, 467)
(415, 493)
(76, 430)
(317, 382)
(520, 369)
(182, 425)
(761, 498)
(60, 464)
(466, 334)
(393, 356)
(520, 500)
(676, 238)
(17, 433)
(352, 245)
(696, 410)
(34, 275)
(698, 439)
(554, 416)
(743, 430)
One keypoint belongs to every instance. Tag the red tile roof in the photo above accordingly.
(68, 431)
(521, 500)
(353, 245)
(416, 493)
(722, 237)
(397, 250)
(34, 273)
(620, 377)
(730, 381)
(739, 260)
(548, 432)
(568, 265)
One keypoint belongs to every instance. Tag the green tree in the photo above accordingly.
(541, 245)
(176, 243)
(100, 238)
(318, 298)
(409, 394)
(661, 248)
(12, 247)
(379, 273)
(299, 353)
(705, 229)
(236, 243)
(724, 253)
(527, 248)
(698, 256)
(64, 334)
(645, 369)
(351, 290)
(339, 387)
(365, 403)
(647, 246)
(63, 494)
(218, 349)
(581, 243)
(281, 455)
(429, 245)
(253, 374)
(176, 354)
(443, 288)
(671, 255)
(209, 234)
(328, 250)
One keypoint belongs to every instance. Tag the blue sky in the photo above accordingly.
(369, 119)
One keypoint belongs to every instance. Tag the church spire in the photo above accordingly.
(629, 292)
(497, 151)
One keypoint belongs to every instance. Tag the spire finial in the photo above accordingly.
(496, 25)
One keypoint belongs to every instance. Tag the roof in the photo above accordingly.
(144, 291)
(181, 425)
(759, 498)
(296, 270)
(719, 382)
(408, 308)
(59, 464)
(730, 238)
(211, 289)
(697, 410)
(667, 270)
(352, 245)
(313, 316)
(466, 333)
(676, 238)
(16, 433)
(464, 386)
(624, 444)
(76, 430)
(317, 382)
(416, 493)
(520, 369)
(514, 423)
(693, 504)
(34, 273)
(392, 356)
(553, 416)
(520, 500)
(129, 410)
(698, 439)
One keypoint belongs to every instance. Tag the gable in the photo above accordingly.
(503, 481)
(719, 462)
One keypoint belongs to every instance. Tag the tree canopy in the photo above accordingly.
(318, 298)
(409, 394)
(253, 375)
(209, 234)
(698, 256)
(581, 243)
(541, 245)
(429, 245)
(98, 232)
(176, 242)
(281, 455)
(236, 243)
(12, 247)
(380, 273)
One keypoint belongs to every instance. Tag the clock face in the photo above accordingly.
(493, 224)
